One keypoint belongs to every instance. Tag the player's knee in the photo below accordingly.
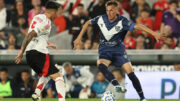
(101, 62)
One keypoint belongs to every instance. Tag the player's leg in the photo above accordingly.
(135, 81)
(103, 67)
(60, 85)
(41, 84)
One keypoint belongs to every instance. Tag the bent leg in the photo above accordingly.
(103, 67)
(135, 81)
(60, 85)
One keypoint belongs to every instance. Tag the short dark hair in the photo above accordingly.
(109, 3)
(4, 70)
(145, 10)
(52, 5)
(80, 5)
(25, 71)
(173, 2)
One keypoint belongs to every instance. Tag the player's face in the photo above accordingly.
(69, 70)
(111, 12)
(54, 14)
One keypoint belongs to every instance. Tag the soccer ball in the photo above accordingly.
(108, 96)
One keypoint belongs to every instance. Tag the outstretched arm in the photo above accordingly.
(158, 36)
(26, 41)
(84, 29)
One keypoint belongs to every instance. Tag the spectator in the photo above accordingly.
(19, 11)
(5, 84)
(99, 86)
(126, 4)
(61, 21)
(12, 42)
(140, 42)
(20, 36)
(123, 12)
(159, 6)
(2, 42)
(21, 20)
(167, 30)
(171, 17)
(145, 19)
(178, 4)
(164, 46)
(177, 67)
(24, 87)
(87, 44)
(178, 45)
(129, 41)
(4, 15)
(37, 9)
(77, 23)
(169, 41)
(78, 79)
(98, 9)
(119, 77)
(138, 6)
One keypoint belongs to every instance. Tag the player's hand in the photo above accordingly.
(19, 57)
(52, 45)
(159, 36)
(77, 43)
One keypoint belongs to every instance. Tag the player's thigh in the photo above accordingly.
(104, 61)
(105, 58)
(127, 67)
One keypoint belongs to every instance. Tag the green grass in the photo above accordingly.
(24, 99)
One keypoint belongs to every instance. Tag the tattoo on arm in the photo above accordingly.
(27, 39)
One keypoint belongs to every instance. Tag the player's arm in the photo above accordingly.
(51, 45)
(84, 29)
(157, 36)
(26, 41)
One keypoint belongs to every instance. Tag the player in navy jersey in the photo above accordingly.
(113, 29)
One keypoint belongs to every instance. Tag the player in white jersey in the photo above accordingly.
(35, 45)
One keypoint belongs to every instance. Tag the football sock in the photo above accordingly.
(41, 84)
(108, 75)
(60, 87)
(136, 84)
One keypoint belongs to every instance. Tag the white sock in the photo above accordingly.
(41, 84)
(60, 87)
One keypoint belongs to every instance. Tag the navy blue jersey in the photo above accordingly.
(112, 33)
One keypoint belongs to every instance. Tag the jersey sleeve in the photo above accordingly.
(95, 20)
(128, 25)
(37, 25)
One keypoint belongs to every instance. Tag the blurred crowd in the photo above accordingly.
(81, 82)
(163, 16)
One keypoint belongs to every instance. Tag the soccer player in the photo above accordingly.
(113, 29)
(35, 45)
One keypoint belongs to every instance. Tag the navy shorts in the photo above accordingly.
(117, 58)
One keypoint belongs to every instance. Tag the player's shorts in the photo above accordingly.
(41, 63)
(117, 58)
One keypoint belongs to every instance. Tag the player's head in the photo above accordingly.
(68, 68)
(173, 4)
(80, 9)
(52, 8)
(111, 9)
(3, 74)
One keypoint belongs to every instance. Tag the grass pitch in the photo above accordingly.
(28, 99)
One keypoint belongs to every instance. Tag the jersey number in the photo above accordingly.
(33, 24)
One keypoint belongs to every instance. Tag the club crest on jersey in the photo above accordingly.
(117, 28)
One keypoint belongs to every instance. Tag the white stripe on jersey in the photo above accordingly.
(108, 34)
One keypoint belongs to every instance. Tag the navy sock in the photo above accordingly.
(108, 75)
(136, 84)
